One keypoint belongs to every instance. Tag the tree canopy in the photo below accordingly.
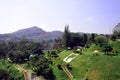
(41, 66)
(100, 39)
(66, 37)
(116, 30)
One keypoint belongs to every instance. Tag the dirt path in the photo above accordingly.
(65, 69)
(28, 75)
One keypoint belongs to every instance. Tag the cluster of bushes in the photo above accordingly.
(40, 65)
(9, 72)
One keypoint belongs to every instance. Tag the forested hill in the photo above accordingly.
(32, 34)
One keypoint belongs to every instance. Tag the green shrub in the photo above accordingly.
(106, 48)
(8, 70)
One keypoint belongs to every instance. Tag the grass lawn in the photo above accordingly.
(60, 74)
(96, 67)
(99, 67)
(64, 54)
(104, 68)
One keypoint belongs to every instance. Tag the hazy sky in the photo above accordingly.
(97, 16)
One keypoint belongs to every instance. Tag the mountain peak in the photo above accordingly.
(34, 28)
(33, 34)
(29, 32)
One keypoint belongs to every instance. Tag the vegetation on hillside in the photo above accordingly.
(9, 72)
(86, 56)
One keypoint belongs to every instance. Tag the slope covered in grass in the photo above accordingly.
(64, 54)
(94, 67)
(59, 73)
(104, 68)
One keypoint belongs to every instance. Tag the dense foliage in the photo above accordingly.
(116, 31)
(9, 72)
(21, 51)
(66, 37)
(49, 64)
(41, 66)
(24, 52)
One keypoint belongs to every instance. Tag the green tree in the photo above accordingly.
(100, 39)
(66, 37)
(40, 65)
(85, 38)
(116, 30)
(74, 40)
(18, 56)
(106, 48)
(9, 72)
(22, 50)
(3, 49)
(91, 38)
(113, 37)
